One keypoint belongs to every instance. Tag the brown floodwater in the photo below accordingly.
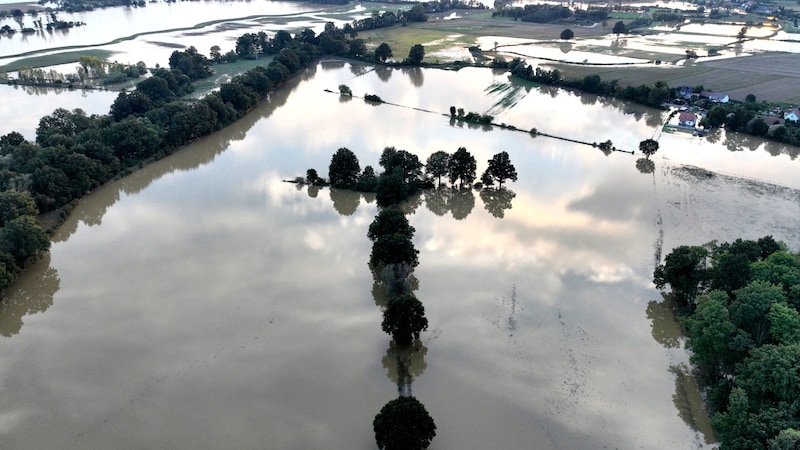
(202, 302)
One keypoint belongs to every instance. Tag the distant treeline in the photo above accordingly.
(553, 13)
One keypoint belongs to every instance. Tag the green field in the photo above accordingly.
(54, 59)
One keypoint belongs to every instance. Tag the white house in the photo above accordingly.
(793, 115)
(716, 97)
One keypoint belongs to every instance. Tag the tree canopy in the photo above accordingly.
(416, 54)
(438, 164)
(500, 169)
(404, 318)
(403, 424)
(648, 147)
(344, 168)
(383, 52)
(462, 167)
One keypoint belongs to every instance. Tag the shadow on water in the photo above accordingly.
(91, 209)
(31, 294)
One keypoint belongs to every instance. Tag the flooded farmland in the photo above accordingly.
(202, 302)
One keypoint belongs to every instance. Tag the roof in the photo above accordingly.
(687, 117)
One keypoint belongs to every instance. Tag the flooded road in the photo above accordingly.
(202, 302)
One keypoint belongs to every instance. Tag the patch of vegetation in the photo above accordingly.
(54, 59)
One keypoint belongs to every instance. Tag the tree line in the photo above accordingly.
(653, 95)
(739, 303)
(403, 423)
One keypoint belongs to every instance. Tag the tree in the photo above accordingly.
(14, 204)
(344, 168)
(345, 90)
(501, 169)
(24, 239)
(683, 269)
(403, 424)
(438, 163)
(750, 98)
(784, 324)
(619, 28)
(567, 34)
(416, 54)
(462, 167)
(648, 147)
(383, 52)
(408, 164)
(788, 439)
(710, 330)
(750, 307)
(395, 248)
(404, 319)
(389, 221)
(312, 177)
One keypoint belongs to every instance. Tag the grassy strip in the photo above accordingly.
(54, 59)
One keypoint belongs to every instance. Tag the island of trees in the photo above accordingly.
(739, 303)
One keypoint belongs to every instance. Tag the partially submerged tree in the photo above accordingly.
(462, 167)
(648, 147)
(403, 424)
(344, 168)
(500, 169)
(438, 163)
(404, 318)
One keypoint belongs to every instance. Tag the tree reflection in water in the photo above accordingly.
(345, 201)
(25, 298)
(404, 363)
(645, 165)
(497, 201)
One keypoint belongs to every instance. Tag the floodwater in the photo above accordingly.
(202, 302)
(153, 32)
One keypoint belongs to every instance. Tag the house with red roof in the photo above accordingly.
(687, 119)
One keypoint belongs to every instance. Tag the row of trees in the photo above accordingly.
(740, 305)
(541, 13)
(403, 173)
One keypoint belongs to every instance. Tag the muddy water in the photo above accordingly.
(204, 303)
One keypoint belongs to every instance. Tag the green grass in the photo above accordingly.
(401, 39)
(54, 59)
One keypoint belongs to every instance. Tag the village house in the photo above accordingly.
(686, 92)
(687, 119)
(793, 115)
(716, 97)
